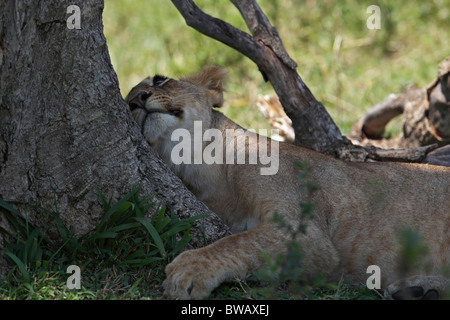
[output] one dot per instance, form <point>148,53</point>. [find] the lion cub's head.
<point>160,104</point>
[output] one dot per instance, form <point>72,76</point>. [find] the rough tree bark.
<point>426,116</point>
<point>64,127</point>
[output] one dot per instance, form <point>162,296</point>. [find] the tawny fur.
<point>360,208</point>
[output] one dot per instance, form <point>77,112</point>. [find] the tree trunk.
<point>64,127</point>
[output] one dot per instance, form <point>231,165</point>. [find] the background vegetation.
<point>347,66</point>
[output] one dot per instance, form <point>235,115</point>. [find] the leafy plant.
<point>123,238</point>
<point>25,249</point>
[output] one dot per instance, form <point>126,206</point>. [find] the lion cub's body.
<point>360,208</point>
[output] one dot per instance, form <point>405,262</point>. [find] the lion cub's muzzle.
<point>139,100</point>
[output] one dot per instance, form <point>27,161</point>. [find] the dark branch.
<point>219,30</point>
<point>313,126</point>
<point>378,116</point>
<point>401,155</point>
<point>262,30</point>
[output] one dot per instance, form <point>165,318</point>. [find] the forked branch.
<point>218,29</point>
<point>262,30</point>
<point>312,124</point>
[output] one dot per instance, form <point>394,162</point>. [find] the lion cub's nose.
<point>139,100</point>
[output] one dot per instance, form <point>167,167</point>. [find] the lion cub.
<point>360,208</point>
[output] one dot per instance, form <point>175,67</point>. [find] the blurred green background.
<point>347,66</point>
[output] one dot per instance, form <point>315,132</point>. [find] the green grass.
<point>123,257</point>
<point>148,37</point>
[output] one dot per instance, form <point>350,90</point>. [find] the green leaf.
<point>115,208</point>
<point>125,226</point>
<point>174,230</point>
<point>142,206</point>
<point>106,204</point>
<point>181,244</point>
<point>142,262</point>
<point>160,220</point>
<point>103,235</point>
<point>162,223</point>
<point>15,218</point>
<point>5,205</point>
<point>154,234</point>
<point>64,233</point>
<point>121,215</point>
<point>20,265</point>
<point>195,218</point>
<point>31,246</point>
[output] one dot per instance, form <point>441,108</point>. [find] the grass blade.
<point>106,204</point>
<point>20,265</point>
<point>181,244</point>
<point>103,235</point>
<point>126,226</point>
<point>115,208</point>
<point>195,218</point>
<point>142,262</point>
<point>154,234</point>
<point>14,217</point>
<point>175,229</point>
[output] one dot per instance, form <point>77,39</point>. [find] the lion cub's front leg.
<point>195,273</point>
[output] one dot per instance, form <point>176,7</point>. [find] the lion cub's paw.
<point>417,288</point>
<point>191,275</point>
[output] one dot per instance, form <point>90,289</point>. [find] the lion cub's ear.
<point>211,79</point>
